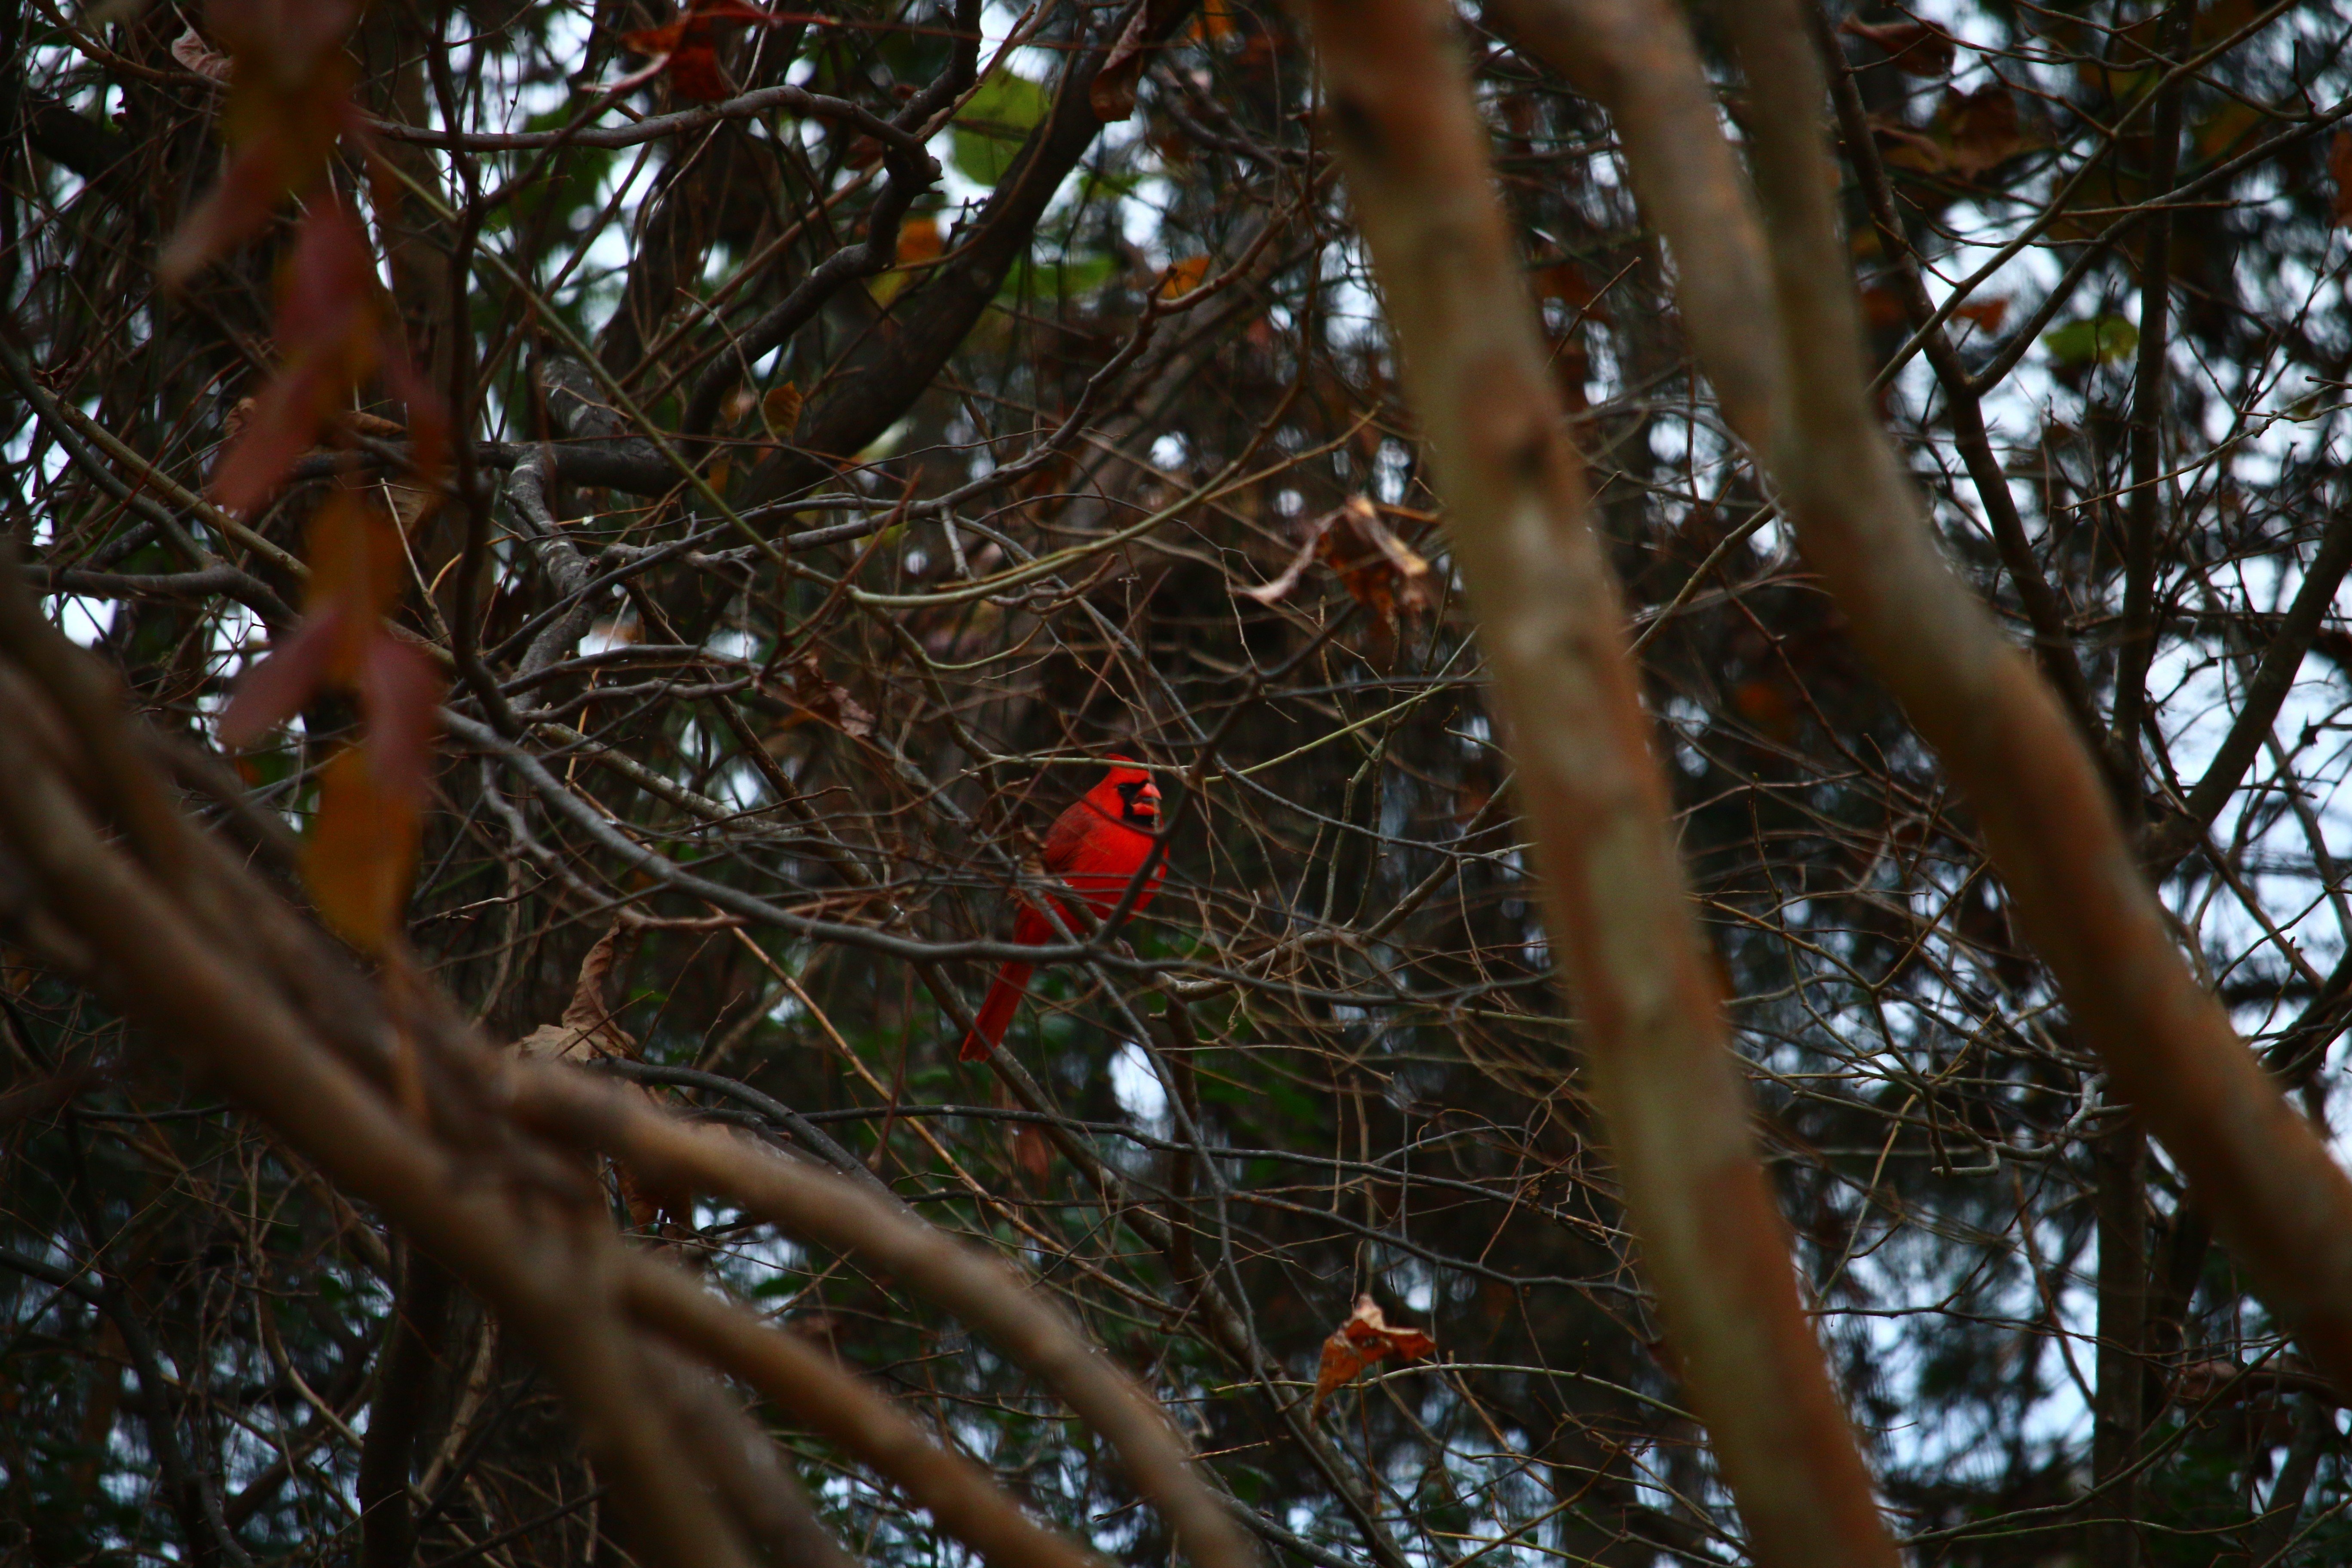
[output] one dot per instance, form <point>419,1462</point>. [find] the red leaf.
<point>357,572</point>
<point>685,48</point>
<point>289,101</point>
<point>399,695</point>
<point>329,339</point>
<point>2339,169</point>
<point>253,181</point>
<point>281,686</point>
<point>695,73</point>
<point>1986,313</point>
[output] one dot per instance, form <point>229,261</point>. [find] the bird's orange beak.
<point>1147,800</point>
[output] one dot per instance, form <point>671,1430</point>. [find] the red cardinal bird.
<point>1094,849</point>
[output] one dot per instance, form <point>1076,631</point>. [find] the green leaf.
<point>1058,279</point>
<point>995,123</point>
<point>2094,340</point>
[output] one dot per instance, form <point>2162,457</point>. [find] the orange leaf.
<point>1986,313</point>
<point>1364,1338</point>
<point>1215,23</point>
<point>660,41</point>
<point>781,409</point>
<point>361,850</point>
<point>919,241</point>
<point>1184,277</point>
<point>357,572</point>
<point>356,562</point>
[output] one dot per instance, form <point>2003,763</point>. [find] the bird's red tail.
<point>996,1012</point>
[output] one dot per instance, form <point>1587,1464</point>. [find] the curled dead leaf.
<point>191,50</point>
<point>1972,133</point>
<point>814,697</point>
<point>1984,127</point>
<point>1379,569</point>
<point>1111,95</point>
<point>587,1029</point>
<point>1364,1338</point>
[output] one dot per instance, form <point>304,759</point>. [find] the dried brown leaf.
<point>1033,1152</point>
<point>814,696</point>
<point>1981,129</point>
<point>1364,1338</point>
<point>1379,569</point>
<point>191,50</point>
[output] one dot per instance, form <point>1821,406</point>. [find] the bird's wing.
<point>1073,837</point>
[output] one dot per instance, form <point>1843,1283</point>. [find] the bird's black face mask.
<point>1139,802</point>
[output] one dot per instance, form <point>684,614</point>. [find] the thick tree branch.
<point>1670,1094</point>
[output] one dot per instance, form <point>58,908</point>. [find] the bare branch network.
<point>1721,940</point>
